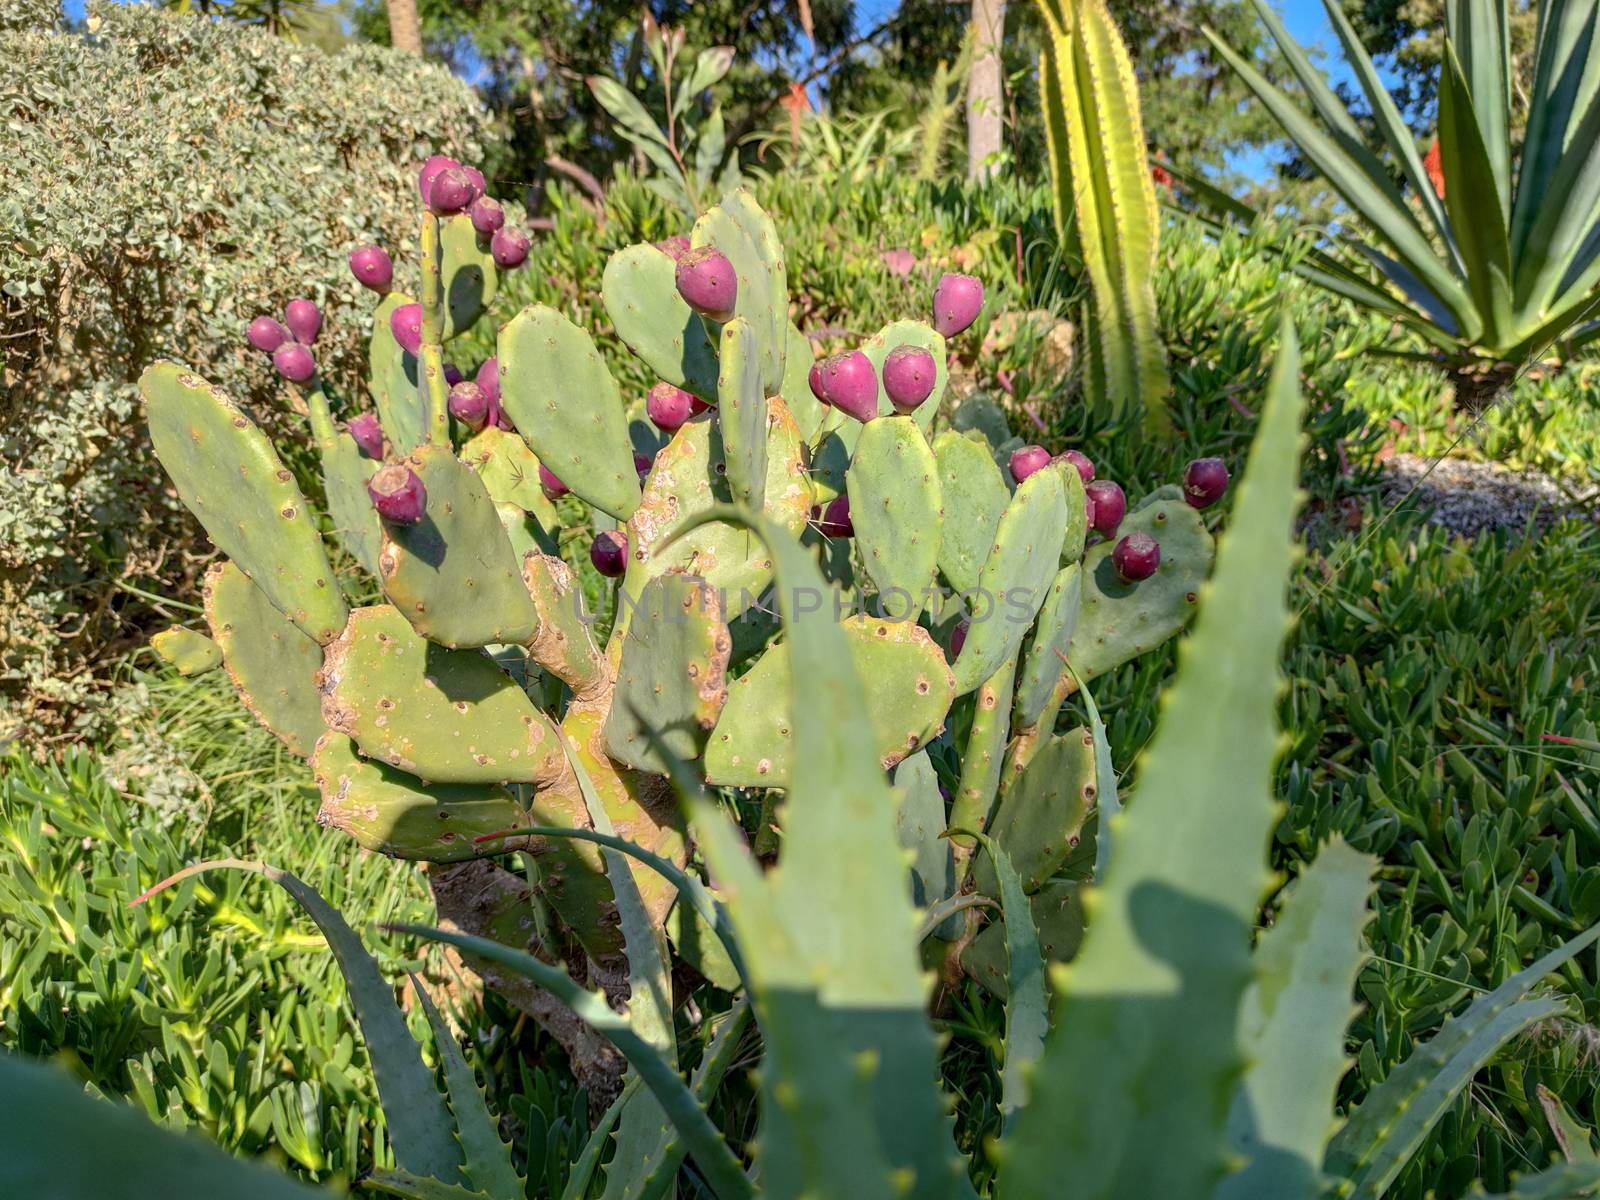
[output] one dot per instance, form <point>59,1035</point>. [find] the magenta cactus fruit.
<point>674,247</point>
<point>957,300</point>
<point>835,520</point>
<point>480,186</point>
<point>509,247</point>
<point>1136,557</point>
<point>909,373</point>
<point>1107,506</point>
<point>1080,463</point>
<point>452,374</point>
<point>1030,460</point>
<point>551,484</point>
<point>398,495</point>
<point>609,553</point>
<point>372,267</point>
<point>431,171</point>
<point>304,320</point>
<point>707,282</point>
<point>450,191</point>
<point>469,405</point>
<point>368,434</point>
<point>851,384</point>
<point>488,378</point>
<point>668,407</point>
<point>294,362</point>
<point>266,335</point>
<point>1204,481</point>
<point>487,215</point>
<point>405,323</point>
<point>814,378</point>
<point>958,639</point>
<point>642,464</point>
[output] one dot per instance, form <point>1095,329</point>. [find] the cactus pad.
<point>974,494</point>
<point>923,336</point>
<point>806,409</point>
<point>271,662</point>
<point>1016,577</point>
<point>510,471</point>
<point>392,813</point>
<point>1041,814</point>
<point>1118,620</point>
<point>564,645</point>
<point>1043,665</point>
<point>1058,916</point>
<point>229,476</point>
<point>673,675</point>
<point>446,716</point>
<point>895,508</point>
<point>345,471</point>
<point>920,823</point>
<point>187,651</point>
<point>742,414</point>
<point>742,231</point>
<point>467,272</point>
<point>394,378</point>
<point>641,296</point>
<point>453,573</point>
<point>908,692</point>
<point>556,389</point>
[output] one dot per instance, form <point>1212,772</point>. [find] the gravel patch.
<point>1469,497</point>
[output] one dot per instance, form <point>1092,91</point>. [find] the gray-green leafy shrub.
<point>166,179</point>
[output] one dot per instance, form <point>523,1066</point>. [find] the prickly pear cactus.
<point>478,697</point>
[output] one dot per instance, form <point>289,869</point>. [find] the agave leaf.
<point>1476,210</point>
<point>1483,44</point>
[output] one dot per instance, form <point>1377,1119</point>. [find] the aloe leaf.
<point>1564,1181</point>
<point>1292,1026</point>
<point>1105,780</point>
<point>582,1172</point>
<point>1149,1008</point>
<point>1380,1136</point>
<point>58,1142</point>
<point>419,1187</point>
<point>421,1129</point>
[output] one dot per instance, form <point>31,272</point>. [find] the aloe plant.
<point>1492,255</point>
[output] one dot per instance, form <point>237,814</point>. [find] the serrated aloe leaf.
<point>920,824</point>
<point>1564,1181</point>
<point>582,1172</point>
<point>1149,1008</point>
<point>58,1142</point>
<point>421,1130</point>
<point>1027,1006</point>
<point>1105,782</point>
<point>1291,1028</point>
<point>416,1187</point>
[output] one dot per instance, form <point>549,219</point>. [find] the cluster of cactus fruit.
<point>966,569</point>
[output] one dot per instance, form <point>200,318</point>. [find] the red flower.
<point>1433,164</point>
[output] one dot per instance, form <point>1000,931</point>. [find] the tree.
<point>405,30</point>
<point>985,101</point>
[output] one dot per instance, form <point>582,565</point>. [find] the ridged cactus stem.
<point>980,765</point>
<point>431,358</point>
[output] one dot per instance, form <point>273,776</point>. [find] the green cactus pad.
<point>830,458</point>
<point>803,404</point>
<point>983,757</point>
<point>389,811</point>
<point>270,661</point>
<point>672,680</point>
<point>564,645</point>
<point>688,478</point>
<point>1074,539</point>
<point>920,824</point>
<point>453,573</point>
<point>742,414</point>
<point>445,716</point>
<point>1041,814</point>
<point>974,494</point>
<point>524,533</point>
<point>187,651</point>
<point>896,510</point>
<point>981,415</point>
<point>923,336</point>
<point>228,475</point>
<point>742,231</point>
<point>1057,915</point>
<point>1120,621</point>
<point>908,692</point>
<point>640,290</point>
<point>1016,576</point>
<point>510,470</point>
<point>467,272</point>
<point>556,389</point>
<point>345,472</point>
<point>394,378</point>
<point>1044,663</point>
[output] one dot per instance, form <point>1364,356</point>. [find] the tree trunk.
<point>985,104</point>
<point>405,30</point>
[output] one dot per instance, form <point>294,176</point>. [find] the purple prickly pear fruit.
<point>668,407</point>
<point>372,267</point>
<point>502,421</point>
<point>398,495</point>
<point>697,406</point>
<point>908,377</point>
<point>707,282</point>
<point>452,374</point>
<point>836,521</point>
<point>1204,481</point>
<point>487,215</point>
<point>489,377</point>
<point>957,300</point>
<point>642,464</point>
<point>674,247</point>
<point>469,405</point>
<point>266,335</point>
<point>1136,557</point>
<point>958,639</point>
<point>851,384</point>
<point>814,378</point>
<point>1080,463</point>
<point>1030,460</point>
<point>431,170</point>
<point>405,323</point>
<point>552,486</point>
<point>368,434</point>
<point>480,185</point>
<point>509,247</point>
<point>1107,506</point>
<point>304,320</point>
<point>609,553</point>
<point>294,362</point>
<point>450,191</point>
